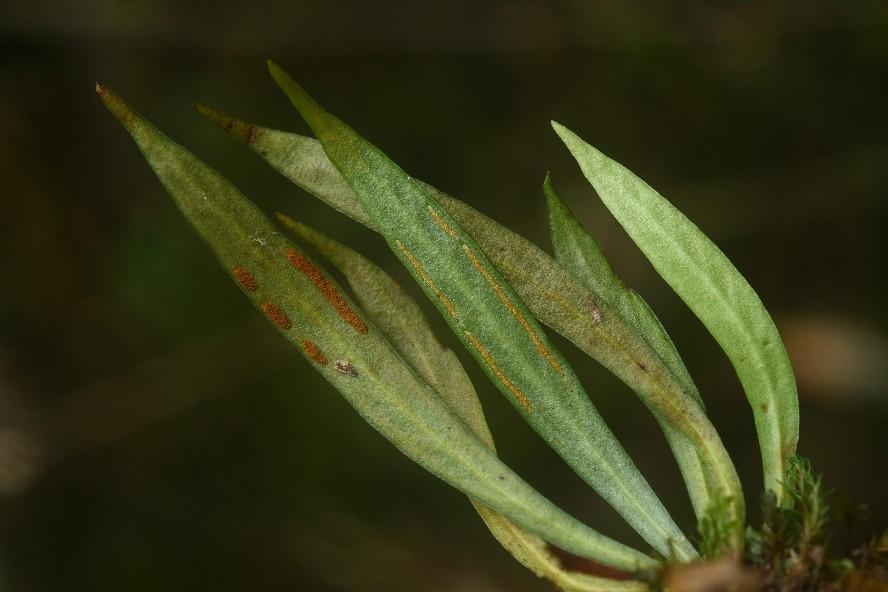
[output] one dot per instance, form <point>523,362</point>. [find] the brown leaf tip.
<point>327,290</point>
<point>346,368</point>
<point>276,315</point>
<point>314,352</point>
<point>116,105</point>
<point>241,130</point>
<point>245,278</point>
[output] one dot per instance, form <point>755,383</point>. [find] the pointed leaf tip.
<point>313,113</point>
<point>559,129</point>
<point>241,130</point>
<point>279,75</point>
<point>549,190</point>
<point>210,113</point>
<point>581,149</point>
<point>547,182</point>
<point>291,223</point>
<point>117,106</point>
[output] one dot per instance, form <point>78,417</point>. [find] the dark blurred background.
<point>156,434</point>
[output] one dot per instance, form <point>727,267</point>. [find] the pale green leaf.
<point>401,320</point>
<point>579,252</point>
<point>553,294</point>
<point>532,552</point>
<point>310,310</point>
<point>714,290</point>
<point>491,320</point>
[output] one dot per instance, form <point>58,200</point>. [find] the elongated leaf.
<point>714,290</point>
<point>553,294</point>
<point>533,554</point>
<point>703,486</point>
<point>492,322</point>
<point>550,291</point>
<point>311,311</point>
<point>403,323</point>
<point>580,253</point>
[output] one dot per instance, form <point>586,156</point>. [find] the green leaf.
<point>552,293</point>
<point>310,310</point>
<point>549,290</point>
<point>401,320</point>
<point>491,320</point>
<point>532,552</point>
<point>580,253</point>
<point>716,293</point>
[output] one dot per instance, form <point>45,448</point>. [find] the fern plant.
<point>495,290</point>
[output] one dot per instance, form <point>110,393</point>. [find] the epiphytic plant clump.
<point>495,289</point>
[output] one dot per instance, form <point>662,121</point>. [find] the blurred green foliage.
<point>153,429</point>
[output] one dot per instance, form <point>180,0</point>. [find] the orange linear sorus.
<point>327,290</point>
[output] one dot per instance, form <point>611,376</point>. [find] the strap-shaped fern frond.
<point>491,320</point>
<point>311,311</point>
<point>401,320</point>
<point>705,465</point>
<point>714,290</point>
